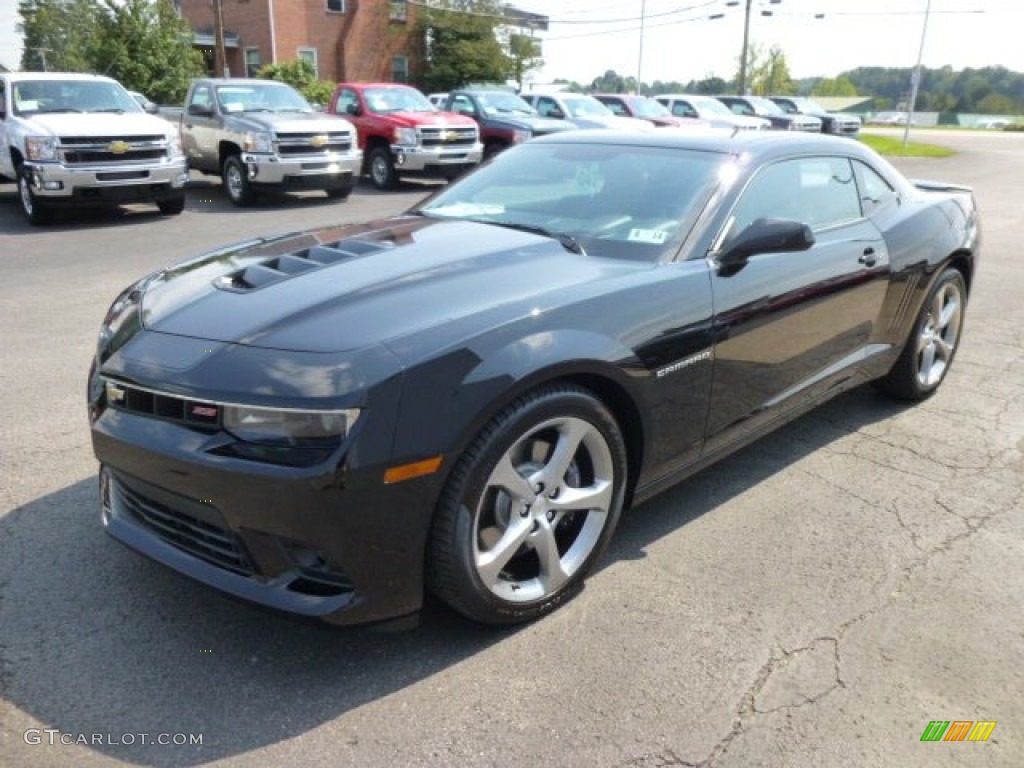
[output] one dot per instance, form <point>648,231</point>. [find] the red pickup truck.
<point>401,133</point>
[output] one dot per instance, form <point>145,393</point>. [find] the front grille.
<point>448,137</point>
<point>84,150</point>
<point>313,143</point>
<point>191,526</point>
<point>193,413</point>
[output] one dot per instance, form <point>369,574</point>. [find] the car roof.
<point>240,81</point>
<point>58,76</point>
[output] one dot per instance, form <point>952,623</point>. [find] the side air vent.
<point>280,268</point>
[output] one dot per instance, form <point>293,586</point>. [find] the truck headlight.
<point>521,136</point>
<point>406,137</point>
<point>41,149</point>
<point>258,141</point>
<point>280,426</point>
<point>174,144</point>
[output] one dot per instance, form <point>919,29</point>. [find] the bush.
<point>300,76</point>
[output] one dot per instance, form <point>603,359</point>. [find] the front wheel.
<point>529,507</point>
<point>929,352</point>
<point>382,169</point>
<point>172,206</point>
<point>34,211</point>
<point>236,182</point>
<point>340,193</point>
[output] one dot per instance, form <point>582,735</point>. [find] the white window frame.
<point>327,6</point>
<point>245,60</point>
<point>299,52</point>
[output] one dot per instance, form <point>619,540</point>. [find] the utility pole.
<point>742,84</point>
<point>640,57</point>
<point>220,59</point>
<point>915,78</point>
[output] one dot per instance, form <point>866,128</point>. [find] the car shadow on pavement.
<point>95,639</point>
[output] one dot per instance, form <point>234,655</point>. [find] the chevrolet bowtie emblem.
<point>118,147</point>
<point>319,140</point>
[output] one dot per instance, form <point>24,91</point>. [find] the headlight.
<point>257,141</point>
<point>277,426</point>
<point>121,322</point>
<point>406,136</point>
<point>520,136</point>
<point>41,149</point>
<point>174,144</point>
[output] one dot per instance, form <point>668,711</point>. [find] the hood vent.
<point>280,268</point>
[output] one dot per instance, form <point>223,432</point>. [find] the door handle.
<point>868,258</point>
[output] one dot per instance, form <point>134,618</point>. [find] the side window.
<point>616,107</point>
<point>463,104</point>
<point>201,97</point>
<point>875,193</point>
<point>739,108</point>
<point>347,98</point>
<point>682,109</point>
<point>548,107</point>
<point>818,191</point>
<point>3,100</point>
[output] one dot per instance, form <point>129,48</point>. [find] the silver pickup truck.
<point>263,134</point>
<point>74,140</point>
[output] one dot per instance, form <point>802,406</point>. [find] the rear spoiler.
<point>939,186</point>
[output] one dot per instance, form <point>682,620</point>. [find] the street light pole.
<point>640,56</point>
<point>742,84</point>
<point>220,59</point>
<point>915,78</point>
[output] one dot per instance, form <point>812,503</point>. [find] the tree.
<point>525,53</point>
<point>147,46</point>
<point>461,46</point>
<point>834,86</point>
<point>58,34</point>
<point>299,74</point>
<point>770,77</point>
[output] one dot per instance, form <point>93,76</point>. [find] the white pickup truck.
<point>73,139</point>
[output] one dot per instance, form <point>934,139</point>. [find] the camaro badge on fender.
<point>707,354</point>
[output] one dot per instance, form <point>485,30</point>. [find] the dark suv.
<point>759,106</point>
<point>839,125</point>
<point>504,118</point>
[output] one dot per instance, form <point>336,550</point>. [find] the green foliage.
<point>834,86</point>
<point>944,89</point>
<point>612,82</point>
<point>147,47</point>
<point>142,43</point>
<point>299,75</point>
<point>58,35</point>
<point>889,145</point>
<point>461,47</point>
<point>525,53</point>
<point>771,76</point>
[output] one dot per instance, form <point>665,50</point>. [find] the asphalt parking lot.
<point>815,600</point>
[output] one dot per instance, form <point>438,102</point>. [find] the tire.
<point>928,354</point>
<point>235,178</point>
<point>492,148</point>
<point>503,552</point>
<point>382,169</point>
<point>34,211</point>
<point>172,206</point>
<point>340,193</point>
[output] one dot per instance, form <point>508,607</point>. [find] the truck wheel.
<point>34,211</point>
<point>382,170</point>
<point>172,206</point>
<point>340,193</point>
<point>493,147</point>
<point>236,182</point>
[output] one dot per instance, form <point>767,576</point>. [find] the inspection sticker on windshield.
<point>655,236</point>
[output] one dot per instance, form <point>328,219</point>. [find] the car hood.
<point>289,122</point>
<point>101,124</point>
<point>535,124</point>
<point>612,121</point>
<point>441,119</point>
<point>342,288</point>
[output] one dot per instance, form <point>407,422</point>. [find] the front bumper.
<point>415,159</point>
<point>128,182</point>
<point>322,171</point>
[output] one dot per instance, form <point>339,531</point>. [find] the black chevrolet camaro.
<point>465,397</point>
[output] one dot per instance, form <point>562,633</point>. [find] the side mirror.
<point>199,111</point>
<point>353,109</point>
<point>766,236</point>
<point>557,113</point>
<point>151,107</point>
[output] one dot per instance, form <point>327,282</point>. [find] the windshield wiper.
<point>568,242</point>
<point>116,110</point>
<point>257,109</point>
<point>57,110</point>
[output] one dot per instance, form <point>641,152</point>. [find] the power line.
<point>506,17</point>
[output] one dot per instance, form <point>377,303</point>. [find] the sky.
<point>680,42</point>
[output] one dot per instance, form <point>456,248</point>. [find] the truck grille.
<point>313,143</point>
<point>92,150</point>
<point>448,137</point>
<point>189,525</point>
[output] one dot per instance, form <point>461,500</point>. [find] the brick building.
<point>342,39</point>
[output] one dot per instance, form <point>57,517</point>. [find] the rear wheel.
<point>529,507</point>
<point>382,169</point>
<point>236,182</point>
<point>929,352</point>
<point>172,206</point>
<point>34,211</point>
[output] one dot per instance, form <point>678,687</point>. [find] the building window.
<point>399,10</point>
<point>335,6</point>
<point>252,62</point>
<point>400,69</point>
<point>309,54</point>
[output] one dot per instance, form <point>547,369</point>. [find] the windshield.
<point>257,97</point>
<point>765,106</point>
<point>586,106</point>
<point>711,107</point>
<point>45,96</point>
<point>812,107</point>
<point>614,200</point>
<point>384,100</point>
<point>648,108</point>
<point>507,103</point>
